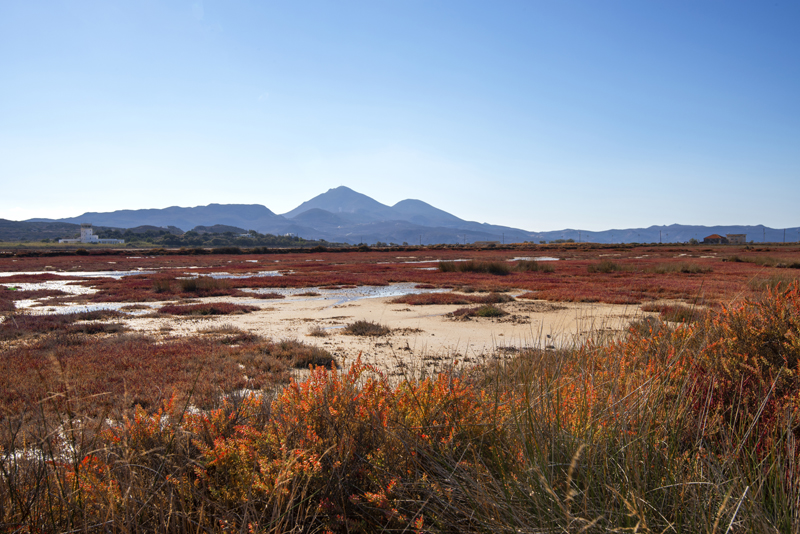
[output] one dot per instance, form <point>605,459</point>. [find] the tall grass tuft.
<point>366,328</point>
<point>472,266</point>
<point>605,266</point>
<point>532,266</point>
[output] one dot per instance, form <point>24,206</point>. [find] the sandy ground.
<point>421,335</point>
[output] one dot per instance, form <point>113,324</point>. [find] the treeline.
<point>191,238</point>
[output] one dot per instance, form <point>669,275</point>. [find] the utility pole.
<point>784,235</point>
<point>504,238</point>
<point>764,239</point>
<point>659,236</point>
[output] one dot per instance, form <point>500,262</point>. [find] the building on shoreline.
<point>87,236</point>
<point>737,239</point>
<point>729,239</point>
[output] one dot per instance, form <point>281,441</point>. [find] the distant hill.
<point>218,229</point>
<point>249,216</point>
<point>343,215</point>
<point>37,231</point>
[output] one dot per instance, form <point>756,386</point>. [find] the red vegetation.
<point>641,273</point>
<point>101,374</point>
<point>22,325</point>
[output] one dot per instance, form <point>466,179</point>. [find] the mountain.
<point>316,218</point>
<point>250,216</point>
<point>343,215</point>
<point>422,213</point>
<point>349,204</point>
<point>674,233</point>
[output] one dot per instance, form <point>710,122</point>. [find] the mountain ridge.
<point>344,215</point>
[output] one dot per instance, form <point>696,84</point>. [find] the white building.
<point>87,236</point>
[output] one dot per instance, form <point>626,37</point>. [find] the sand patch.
<point>421,335</point>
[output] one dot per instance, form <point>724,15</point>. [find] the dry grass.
<point>367,328</point>
<point>533,266</point>
<point>487,267</point>
<point>212,308</point>
<point>317,331</point>
<point>487,310</point>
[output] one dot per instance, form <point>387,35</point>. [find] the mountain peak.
<point>343,200</point>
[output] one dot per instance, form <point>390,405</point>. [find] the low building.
<point>737,239</point>
<point>715,239</point>
<point>87,236</point>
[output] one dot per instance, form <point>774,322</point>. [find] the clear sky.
<point>535,114</point>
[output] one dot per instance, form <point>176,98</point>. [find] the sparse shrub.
<point>366,328</point>
<point>317,331</point>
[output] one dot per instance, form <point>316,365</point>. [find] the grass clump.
<point>229,334</point>
<point>487,310</point>
<point>487,267</point>
<point>162,285</point>
<point>772,282</point>
<point>532,266</point>
<point>765,261</point>
<point>203,284</point>
<point>317,331</point>
<point>675,313</point>
<point>605,266</point>
<point>298,354</point>
<point>366,328</point>
<point>211,308</point>
<point>683,267</point>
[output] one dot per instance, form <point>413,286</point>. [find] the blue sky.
<point>538,114</point>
